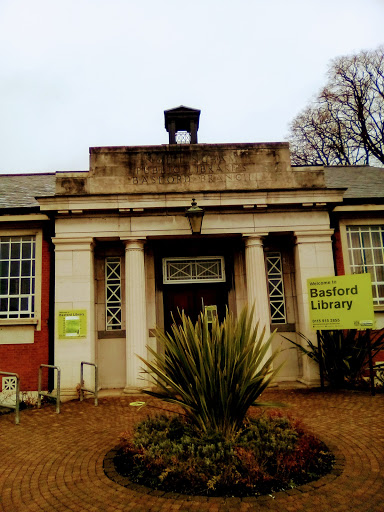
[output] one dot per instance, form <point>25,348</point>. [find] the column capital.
<point>254,239</point>
<point>133,243</point>
<point>74,244</point>
<point>313,236</point>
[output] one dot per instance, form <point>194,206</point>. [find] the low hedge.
<point>271,452</point>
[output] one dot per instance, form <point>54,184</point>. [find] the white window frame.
<point>35,318</point>
<point>350,263</point>
<point>276,291</point>
<point>113,302</point>
<point>6,280</point>
<point>191,263</point>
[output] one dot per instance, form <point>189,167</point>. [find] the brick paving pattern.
<point>54,462</point>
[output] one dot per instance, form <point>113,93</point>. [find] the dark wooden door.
<point>191,298</point>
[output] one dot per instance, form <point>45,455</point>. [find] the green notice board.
<point>341,302</point>
<point>72,324</point>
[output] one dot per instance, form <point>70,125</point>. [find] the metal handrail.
<point>82,389</point>
<point>17,402</point>
<point>46,393</point>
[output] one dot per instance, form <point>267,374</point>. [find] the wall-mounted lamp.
<point>195,216</point>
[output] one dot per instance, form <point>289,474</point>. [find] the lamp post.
<point>195,216</point>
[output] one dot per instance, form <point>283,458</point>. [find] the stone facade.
<point>131,205</point>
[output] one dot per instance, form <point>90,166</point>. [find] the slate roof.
<point>361,181</point>
<point>20,190</point>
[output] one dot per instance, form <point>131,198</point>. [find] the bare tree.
<point>345,123</point>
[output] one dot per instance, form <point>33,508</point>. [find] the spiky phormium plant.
<point>215,372</point>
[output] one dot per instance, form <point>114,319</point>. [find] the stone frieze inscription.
<point>217,171</point>
<point>193,169</point>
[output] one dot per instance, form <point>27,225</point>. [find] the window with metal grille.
<point>183,137</point>
<point>366,254</point>
<point>208,269</point>
<point>17,276</point>
<point>276,288</point>
<point>113,293</point>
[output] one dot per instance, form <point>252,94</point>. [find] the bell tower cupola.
<point>182,124</point>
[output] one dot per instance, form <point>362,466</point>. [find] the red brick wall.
<point>25,359</point>
<point>338,254</point>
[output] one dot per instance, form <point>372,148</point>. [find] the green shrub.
<point>270,453</point>
<point>344,354</point>
<point>215,372</point>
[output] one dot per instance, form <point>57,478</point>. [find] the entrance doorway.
<point>192,298</point>
<point>194,275</point>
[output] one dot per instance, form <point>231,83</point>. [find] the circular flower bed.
<point>272,452</point>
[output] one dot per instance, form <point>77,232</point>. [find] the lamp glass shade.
<point>195,216</point>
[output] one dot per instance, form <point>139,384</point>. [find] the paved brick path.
<point>54,462</point>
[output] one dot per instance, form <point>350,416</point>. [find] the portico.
<point>125,253</point>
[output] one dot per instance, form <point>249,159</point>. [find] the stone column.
<point>136,324</point>
<point>256,278</point>
<point>74,291</point>
<point>313,258</point>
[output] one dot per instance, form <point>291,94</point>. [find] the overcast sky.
<point>80,73</point>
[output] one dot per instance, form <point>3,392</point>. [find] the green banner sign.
<point>72,324</point>
<point>341,302</point>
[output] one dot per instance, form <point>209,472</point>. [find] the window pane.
<point>378,256</point>
<point>15,250</point>
<point>4,304</point>
<point>25,268</point>
<point>24,303</point>
<point>4,251</point>
<point>25,286</point>
<point>26,251</point>
<point>380,290</point>
<point>13,304</point>
<point>376,239</point>
<point>366,239</point>
<point>380,273</point>
<point>355,257</point>
<point>3,286</point>
<point>14,286</point>
<point>4,268</point>
<point>355,240</point>
<point>15,269</point>
<point>368,254</point>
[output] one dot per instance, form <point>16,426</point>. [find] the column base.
<point>311,383</point>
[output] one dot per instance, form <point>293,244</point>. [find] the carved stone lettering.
<point>157,169</point>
